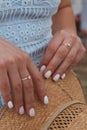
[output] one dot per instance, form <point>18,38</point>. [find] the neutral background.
<point>81,68</point>
<point>81,71</point>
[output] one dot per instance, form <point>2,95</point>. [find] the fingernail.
<point>46,100</point>
<point>56,77</point>
<point>63,76</point>
<point>10,104</point>
<point>21,110</point>
<point>32,112</point>
<point>42,68</point>
<point>48,74</point>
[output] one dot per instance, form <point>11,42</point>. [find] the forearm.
<point>64,19</point>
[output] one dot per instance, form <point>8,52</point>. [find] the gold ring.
<point>26,78</point>
<point>68,45</point>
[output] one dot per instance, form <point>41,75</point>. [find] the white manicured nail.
<point>46,100</point>
<point>56,77</point>
<point>48,74</point>
<point>42,68</point>
<point>21,110</point>
<point>32,112</point>
<point>63,76</point>
<point>10,104</point>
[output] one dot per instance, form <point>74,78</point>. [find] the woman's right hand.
<point>15,65</point>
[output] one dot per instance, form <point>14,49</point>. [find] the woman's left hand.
<point>64,51</point>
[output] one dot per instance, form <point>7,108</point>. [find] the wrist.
<point>71,31</point>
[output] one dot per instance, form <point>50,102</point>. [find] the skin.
<point>16,64</point>
<point>59,59</point>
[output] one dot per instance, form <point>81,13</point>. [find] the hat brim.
<point>62,96</point>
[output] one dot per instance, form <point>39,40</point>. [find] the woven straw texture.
<point>64,112</point>
<point>73,117</point>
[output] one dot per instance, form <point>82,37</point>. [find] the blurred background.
<point>80,12</point>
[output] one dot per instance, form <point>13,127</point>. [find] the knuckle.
<point>70,59</point>
<point>19,59</point>
<point>26,56</point>
<point>74,37</point>
<point>61,70</point>
<point>52,65</point>
<point>45,61</point>
<point>7,62</point>
<point>4,87</point>
<point>41,95</point>
<point>29,89</point>
<point>17,103</point>
<point>73,64</point>
<point>79,40</point>
<point>6,97</point>
<point>61,54</point>
<point>62,32</point>
<point>84,50</point>
<point>39,79</point>
<point>17,88</point>
<point>2,65</point>
<point>11,61</point>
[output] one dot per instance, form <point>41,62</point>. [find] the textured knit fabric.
<point>27,24</point>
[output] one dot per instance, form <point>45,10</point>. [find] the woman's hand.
<point>15,65</point>
<point>64,51</point>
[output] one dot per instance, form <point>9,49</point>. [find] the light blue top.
<point>27,25</point>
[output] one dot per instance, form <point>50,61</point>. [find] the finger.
<point>16,86</point>
<point>58,58</point>
<point>51,49</point>
<point>37,80</point>
<point>28,91</point>
<point>77,59</point>
<point>5,86</point>
<point>69,60</point>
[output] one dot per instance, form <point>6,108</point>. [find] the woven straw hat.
<point>66,109</point>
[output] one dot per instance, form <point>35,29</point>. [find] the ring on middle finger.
<point>26,78</point>
<point>67,44</point>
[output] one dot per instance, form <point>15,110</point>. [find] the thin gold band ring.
<point>68,45</point>
<point>26,78</point>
